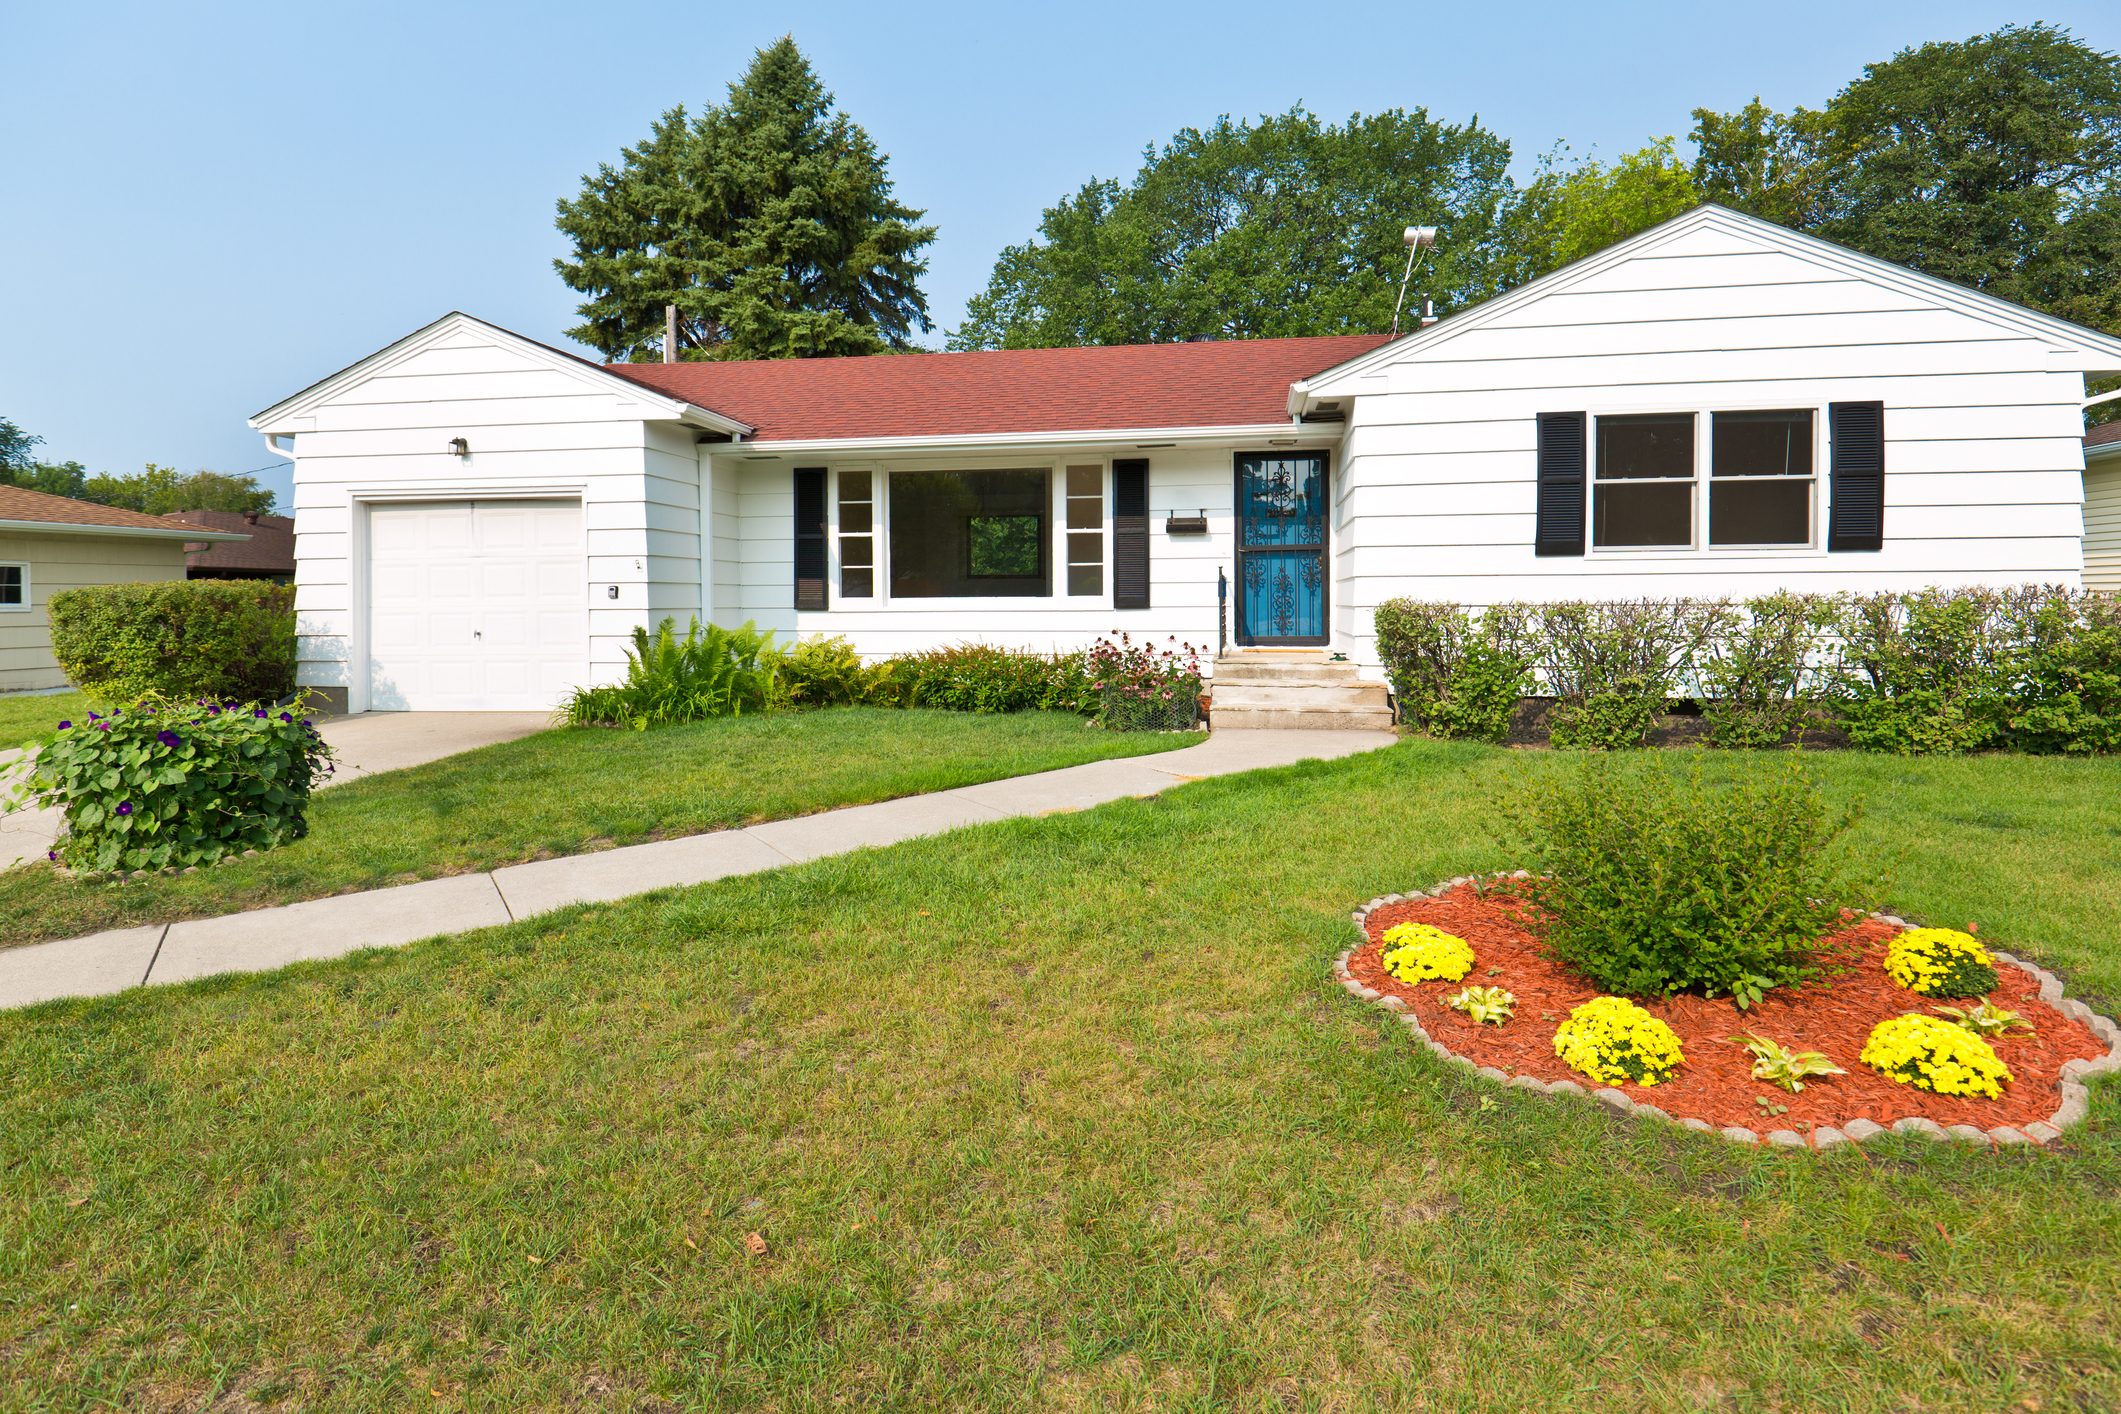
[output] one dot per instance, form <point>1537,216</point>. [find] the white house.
<point>1717,406</point>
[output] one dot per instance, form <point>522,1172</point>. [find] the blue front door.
<point>1281,547</point>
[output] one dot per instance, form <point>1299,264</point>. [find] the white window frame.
<point>1704,475</point>
<point>837,599</point>
<point>1062,559</point>
<point>27,595</point>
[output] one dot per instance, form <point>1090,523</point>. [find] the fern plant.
<point>710,672</point>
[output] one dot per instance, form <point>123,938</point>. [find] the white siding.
<point>1983,457</point>
<point>755,568</point>
<point>2102,525</point>
<point>534,429</point>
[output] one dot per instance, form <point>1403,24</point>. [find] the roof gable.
<point>285,415</point>
<point>2095,351</point>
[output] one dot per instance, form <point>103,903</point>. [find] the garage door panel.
<point>476,605</point>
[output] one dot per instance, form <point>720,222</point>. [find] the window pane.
<point>1760,513</point>
<point>1657,444</point>
<point>1086,481</point>
<point>1761,444</point>
<point>854,518</point>
<point>1085,514</point>
<point>857,550</point>
<point>1086,579</point>
<point>1643,515</point>
<point>969,533</point>
<point>1085,549</point>
<point>10,584</point>
<point>857,584</point>
<point>854,486</point>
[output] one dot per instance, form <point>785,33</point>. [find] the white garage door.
<point>476,605</point>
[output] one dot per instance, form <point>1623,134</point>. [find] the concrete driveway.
<point>365,745</point>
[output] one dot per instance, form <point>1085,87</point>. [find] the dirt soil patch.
<point>1834,1015</point>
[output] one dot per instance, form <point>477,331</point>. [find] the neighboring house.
<point>268,552</point>
<point>2102,508</point>
<point>50,543</point>
<point>1715,407</point>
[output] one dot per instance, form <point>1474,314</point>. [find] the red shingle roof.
<point>2104,433</point>
<point>21,504</point>
<point>1227,383</point>
<point>270,549</point>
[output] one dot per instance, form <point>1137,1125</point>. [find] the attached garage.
<point>476,605</point>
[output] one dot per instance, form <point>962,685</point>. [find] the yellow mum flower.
<point>1418,952</point>
<point>1611,1040</point>
<point>1931,1054</point>
<point>1940,962</point>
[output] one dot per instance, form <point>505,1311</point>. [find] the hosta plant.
<point>1940,962</point>
<point>1420,952</point>
<point>1932,1054</point>
<point>1985,1019</point>
<point>1610,1039</point>
<point>1778,1065</point>
<point>1490,1006</point>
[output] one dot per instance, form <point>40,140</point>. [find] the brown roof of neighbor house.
<point>22,506</point>
<point>270,549</point>
<point>1219,383</point>
<point>2104,433</point>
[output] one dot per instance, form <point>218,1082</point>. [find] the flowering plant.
<point>1142,687</point>
<point>1932,1054</point>
<point>1940,962</point>
<point>1611,1039</point>
<point>167,785</point>
<point>1418,952</point>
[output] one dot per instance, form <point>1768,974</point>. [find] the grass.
<point>1063,1112</point>
<point>565,791</point>
<point>25,716</point>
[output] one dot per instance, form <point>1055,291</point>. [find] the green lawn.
<point>25,716</point>
<point>565,791</point>
<point>1056,1112</point>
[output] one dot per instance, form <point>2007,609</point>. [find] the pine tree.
<point>768,221</point>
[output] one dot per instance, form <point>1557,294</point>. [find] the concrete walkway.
<point>331,927</point>
<point>364,745</point>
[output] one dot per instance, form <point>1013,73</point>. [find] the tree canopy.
<point>769,221</point>
<point>1283,226</point>
<point>154,491</point>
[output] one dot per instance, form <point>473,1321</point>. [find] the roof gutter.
<point>135,532</point>
<point>1103,437</point>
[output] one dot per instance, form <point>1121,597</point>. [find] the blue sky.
<point>210,206</point>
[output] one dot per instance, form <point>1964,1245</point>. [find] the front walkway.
<point>331,927</point>
<point>363,744</point>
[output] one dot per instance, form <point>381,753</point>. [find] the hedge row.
<point>2035,668</point>
<point>224,639</point>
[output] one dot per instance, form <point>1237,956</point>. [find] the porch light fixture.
<point>458,447</point>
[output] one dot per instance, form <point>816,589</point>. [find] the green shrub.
<point>1455,676</point>
<point>827,672</point>
<point>974,677</point>
<point>1648,882</point>
<point>1754,672</point>
<point>1613,667</point>
<point>165,786</point>
<point>229,640</point>
<point>1143,688</point>
<point>2067,696</point>
<point>1925,673</point>
<point>710,672</point>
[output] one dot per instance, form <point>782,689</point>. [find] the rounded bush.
<point>1610,1039</point>
<point>1420,952</point>
<point>1932,1054</point>
<point>1940,962</point>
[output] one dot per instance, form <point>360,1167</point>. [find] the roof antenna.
<point>1418,239</point>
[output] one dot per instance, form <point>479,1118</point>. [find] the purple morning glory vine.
<point>125,807</point>
<point>66,726</point>
<point>169,739</point>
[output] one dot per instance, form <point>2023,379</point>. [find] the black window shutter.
<point>1562,457</point>
<point>1855,476</point>
<point>1130,534</point>
<point>810,537</point>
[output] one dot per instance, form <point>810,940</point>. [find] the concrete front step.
<point>1283,670</point>
<point>1299,694</point>
<point>1226,718</point>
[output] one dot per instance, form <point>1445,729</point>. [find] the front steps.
<point>1294,688</point>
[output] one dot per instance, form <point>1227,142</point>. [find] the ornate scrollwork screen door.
<point>1281,547</point>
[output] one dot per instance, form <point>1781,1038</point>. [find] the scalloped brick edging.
<point>2076,1099</point>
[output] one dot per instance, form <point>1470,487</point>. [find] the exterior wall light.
<point>458,447</point>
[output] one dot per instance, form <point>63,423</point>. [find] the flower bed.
<point>1715,1087</point>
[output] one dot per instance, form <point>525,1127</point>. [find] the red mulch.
<point>1716,1084</point>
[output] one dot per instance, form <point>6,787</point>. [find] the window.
<point>1643,492</point>
<point>970,534</point>
<point>14,586</point>
<point>1086,530</point>
<point>857,535</point>
<point>1760,478</point>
